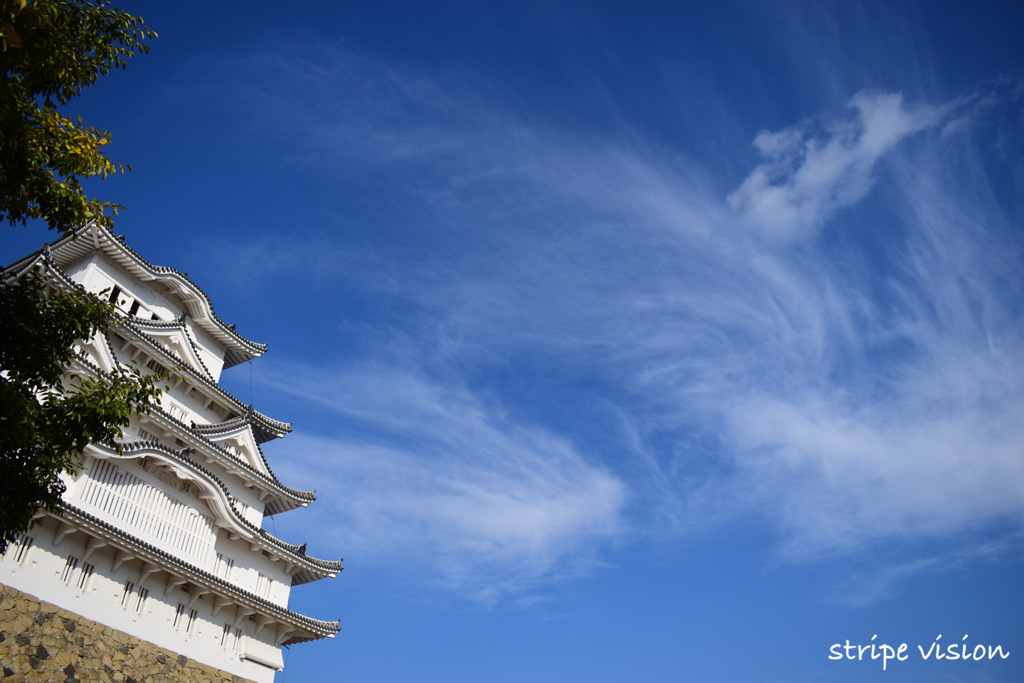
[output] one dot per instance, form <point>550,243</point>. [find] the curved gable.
<point>97,351</point>
<point>238,440</point>
<point>175,338</point>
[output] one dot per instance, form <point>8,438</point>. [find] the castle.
<point>164,540</point>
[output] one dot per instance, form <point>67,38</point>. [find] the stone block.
<point>42,642</point>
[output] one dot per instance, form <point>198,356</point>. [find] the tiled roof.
<point>264,428</point>
<point>249,415</point>
<point>268,482</point>
<point>326,565</point>
<point>296,553</point>
<point>314,628</point>
<point>77,245</point>
<point>143,324</point>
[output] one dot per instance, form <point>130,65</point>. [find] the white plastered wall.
<point>102,597</point>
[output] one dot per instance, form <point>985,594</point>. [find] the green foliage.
<point>50,50</point>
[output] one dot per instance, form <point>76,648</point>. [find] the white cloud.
<point>809,173</point>
<point>854,390</point>
<point>857,475</point>
<point>423,469</point>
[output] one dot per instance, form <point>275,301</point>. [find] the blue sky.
<point>622,341</point>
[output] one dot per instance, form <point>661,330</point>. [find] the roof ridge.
<point>254,349</point>
<point>177,323</point>
<point>182,455</point>
<point>270,425</point>
<point>297,493</point>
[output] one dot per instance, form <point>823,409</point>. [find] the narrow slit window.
<point>126,593</point>
<point>224,566</point>
<point>225,637</point>
<point>178,615</point>
<point>191,620</point>
<point>263,584</point>
<point>69,569</point>
<point>83,578</point>
<point>140,601</point>
<point>21,549</point>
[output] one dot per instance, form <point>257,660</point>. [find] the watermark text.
<point>874,649</point>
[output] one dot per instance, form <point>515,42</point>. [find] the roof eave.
<point>238,348</point>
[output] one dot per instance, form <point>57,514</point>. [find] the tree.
<point>50,50</point>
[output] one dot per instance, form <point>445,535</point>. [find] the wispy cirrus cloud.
<point>854,377</point>
<point>420,468</point>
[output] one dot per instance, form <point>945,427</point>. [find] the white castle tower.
<point>164,541</point>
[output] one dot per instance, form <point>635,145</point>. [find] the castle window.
<point>140,602</point>
<point>69,569</point>
<point>114,294</point>
<point>191,620</point>
<point>224,566</point>
<point>135,307</point>
<point>226,639</point>
<point>263,585</point>
<point>135,504</point>
<point>21,547</point>
<point>178,615</point>
<point>126,593</point>
<point>85,575</point>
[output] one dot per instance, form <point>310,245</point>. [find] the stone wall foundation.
<point>42,642</point>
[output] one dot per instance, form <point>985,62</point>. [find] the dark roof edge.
<point>246,346</point>
<point>271,479</point>
<point>273,428</point>
<point>319,628</point>
<point>293,552</point>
